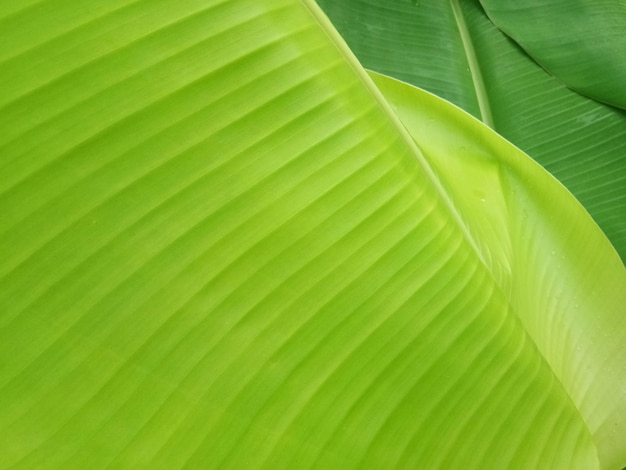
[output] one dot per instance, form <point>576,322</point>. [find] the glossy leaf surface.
<point>452,49</point>
<point>461,152</point>
<point>221,248</point>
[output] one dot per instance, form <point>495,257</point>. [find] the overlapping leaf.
<point>452,49</point>
<point>221,248</point>
<point>504,207</point>
<point>581,42</point>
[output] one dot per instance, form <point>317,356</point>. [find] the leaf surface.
<point>504,196</point>
<point>581,42</point>
<point>452,49</point>
<point>221,248</point>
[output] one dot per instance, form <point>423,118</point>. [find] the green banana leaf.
<point>452,49</point>
<point>223,247</point>
<point>464,153</point>
<point>581,42</point>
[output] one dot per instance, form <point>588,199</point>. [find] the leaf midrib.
<point>316,12</point>
<point>474,68</point>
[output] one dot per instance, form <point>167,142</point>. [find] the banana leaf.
<point>223,247</point>
<point>452,49</point>
<point>581,42</point>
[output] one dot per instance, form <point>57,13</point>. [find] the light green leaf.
<point>220,247</point>
<point>452,49</point>
<point>581,42</point>
<point>506,196</point>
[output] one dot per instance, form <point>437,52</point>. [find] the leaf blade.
<point>465,162</point>
<point>584,50</point>
<point>274,248</point>
<point>578,140</point>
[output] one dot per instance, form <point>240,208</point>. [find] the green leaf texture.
<point>581,42</point>
<point>504,195</point>
<point>221,248</point>
<point>452,49</point>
